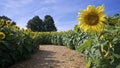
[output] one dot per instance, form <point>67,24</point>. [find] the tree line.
<point>37,24</point>
<point>46,25</point>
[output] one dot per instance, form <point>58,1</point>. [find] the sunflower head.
<point>91,19</point>
<point>102,37</point>
<point>8,22</point>
<point>2,35</point>
<point>27,30</point>
<point>1,22</point>
<point>111,46</point>
<point>105,53</point>
<point>23,29</point>
<point>16,27</point>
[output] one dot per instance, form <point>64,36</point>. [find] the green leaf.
<point>86,44</point>
<point>117,56</point>
<point>115,39</point>
<point>118,66</point>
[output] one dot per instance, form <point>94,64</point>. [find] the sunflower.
<point>28,30</point>
<point>105,53</point>
<point>8,22</point>
<point>2,35</point>
<point>91,19</point>
<point>1,22</point>
<point>110,45</point>
<point>16,27</point>
<point>23,29</point>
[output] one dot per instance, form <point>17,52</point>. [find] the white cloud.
<point>13,8</point>
<point>50,1</point>
<point>43,10</point>
<point>16,3</point>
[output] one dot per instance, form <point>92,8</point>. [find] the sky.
<point>64,12</point>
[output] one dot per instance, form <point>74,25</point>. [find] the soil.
<point>53,56</point>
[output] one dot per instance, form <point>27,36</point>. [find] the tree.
<point>35,24</point>
<point>13,23</point>
<point>49,24</point>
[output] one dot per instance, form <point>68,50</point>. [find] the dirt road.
<point>53,56</point>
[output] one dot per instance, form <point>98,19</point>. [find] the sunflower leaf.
<point>86,44</point>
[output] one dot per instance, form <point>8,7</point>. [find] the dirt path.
<point>51,56</point>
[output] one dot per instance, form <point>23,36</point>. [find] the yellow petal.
<point>102,19</point>
<point>110,45</point>
<point>100,9</point>
<point>91,8</point>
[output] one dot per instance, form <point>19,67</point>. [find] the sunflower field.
<point>15,44</point>
<point>101,49</point>
<point>96,35</point>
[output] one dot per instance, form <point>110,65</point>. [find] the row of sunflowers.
<point>96,36</point>
<point>15,44</point>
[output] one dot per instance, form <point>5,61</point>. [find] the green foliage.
<point>17,45</point>
<point>101,50</point>
<point>70,38</point>
<point>114,20</point>
<point>36,24</point>
<point>45,37</point>
<point>77,29</point>
<point>49,24</point>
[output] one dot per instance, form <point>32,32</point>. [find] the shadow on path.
<point>41,59</point>
<point>51,56</point>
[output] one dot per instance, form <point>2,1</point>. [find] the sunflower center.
<point>8,22</point>
<point>104,53</point>
<point>1,36</point>
<point>92,19</point>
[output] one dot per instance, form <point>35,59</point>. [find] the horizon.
<point>64,12</point>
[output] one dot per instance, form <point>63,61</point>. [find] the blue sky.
<point>64,12</point>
